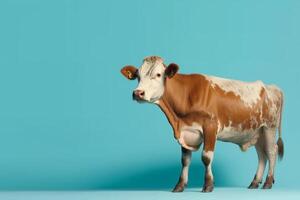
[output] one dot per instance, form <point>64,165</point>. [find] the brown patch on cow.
<point>171,116</point>
<point>129,72</point>
<point>231,109</point>
<point>209,134</point>
<point>183,94</point>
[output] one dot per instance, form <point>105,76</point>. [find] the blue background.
<point>67,120</point>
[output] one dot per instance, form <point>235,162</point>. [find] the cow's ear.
<point>129,72</point>
<point>171,70</point>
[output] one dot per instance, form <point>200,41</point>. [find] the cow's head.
<point>151,78</point>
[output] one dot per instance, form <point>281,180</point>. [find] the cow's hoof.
<point>253,185</point>
<point>208,188</point>
<point>178,188</point>
<point>268,183</point>
<point>267,186</point>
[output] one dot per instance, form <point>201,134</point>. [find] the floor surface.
<point>218,193</point>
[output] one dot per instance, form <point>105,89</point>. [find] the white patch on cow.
<point>270,148</point>
<point>156,102</point>
<point>191,137</point>
<point>150,83</point>
<point>248,92</point>
<point>261,161</point>
<point>274,96</point>
<point>273,92</point>
<point>243,138</point>
<point>185,169</point>
<point>185,174</point>
<point>260,170</point>
<point>219,126</point>
<point>210,155</point>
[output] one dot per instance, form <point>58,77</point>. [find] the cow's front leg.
<point>209,134</point>
<point>185,161</point>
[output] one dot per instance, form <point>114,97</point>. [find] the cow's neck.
<point>171,116</point>
<point>168,102</point>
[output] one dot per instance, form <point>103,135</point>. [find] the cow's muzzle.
<point>138,95</point>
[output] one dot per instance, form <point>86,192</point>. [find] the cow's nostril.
<point>138,94</point>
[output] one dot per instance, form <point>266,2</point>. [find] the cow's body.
<point>238,110</point>
<point>204,109</point>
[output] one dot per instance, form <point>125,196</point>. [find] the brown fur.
<point>280,148</point>
<point>205,160</point>
<point>129,72</point>
<point>191,98</point>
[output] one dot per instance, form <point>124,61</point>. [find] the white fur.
<point>191,136</point>
<point>248,92</point>
<point>185,174</point>
<point>271,148</point>
<point>219,126</point>
<point>273,92</point>
<point>261,161</point>
<point>150,83</point>
<point>185,168</point>
<point>244,138</point>
<point>274,95</point>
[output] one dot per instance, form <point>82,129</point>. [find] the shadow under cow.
<point>164,177</point>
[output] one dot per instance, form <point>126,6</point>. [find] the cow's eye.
<point>158,75</point>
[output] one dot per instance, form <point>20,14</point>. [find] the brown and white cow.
<point>203,109</point>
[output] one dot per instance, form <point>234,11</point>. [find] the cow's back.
<point>243,108</point>
<point>244,104</point>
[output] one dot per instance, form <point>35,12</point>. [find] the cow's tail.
<point>279,141</point>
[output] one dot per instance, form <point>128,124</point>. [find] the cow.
<point>203,109</point>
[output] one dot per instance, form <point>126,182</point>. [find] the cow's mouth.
<point>139,100</point>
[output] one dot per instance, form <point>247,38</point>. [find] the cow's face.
<point>151,78</point>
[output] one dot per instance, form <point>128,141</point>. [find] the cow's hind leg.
<point>185,161</point>
<point>271,152</point>
<point>262,159</point>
